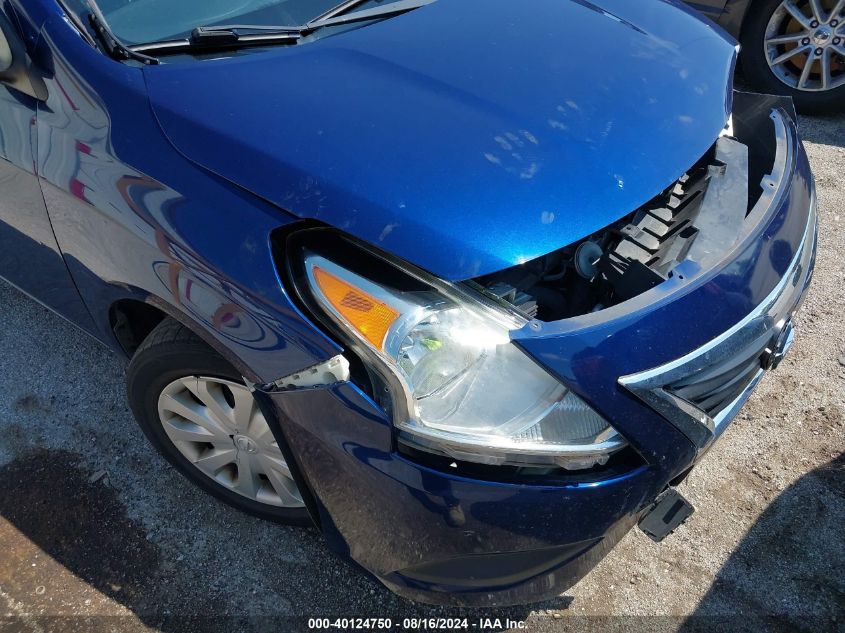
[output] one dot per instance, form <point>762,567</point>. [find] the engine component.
<point>587,257</point>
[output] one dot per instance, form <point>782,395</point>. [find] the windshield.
<point>142,21</point>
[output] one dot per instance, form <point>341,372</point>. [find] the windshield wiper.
<point>114,47</point>
<point>231,36</point>
<point>341,15</point>
<point>212,38</point>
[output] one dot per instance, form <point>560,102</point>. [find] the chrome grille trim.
<point>766,322</point>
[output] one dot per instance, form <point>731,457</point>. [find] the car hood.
<point>466,136</point>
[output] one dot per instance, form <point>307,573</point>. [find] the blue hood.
<point>468,135</point>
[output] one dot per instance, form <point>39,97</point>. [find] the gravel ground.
<point>94,525</point>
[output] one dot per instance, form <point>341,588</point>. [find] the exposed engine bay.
<point>698,218</point>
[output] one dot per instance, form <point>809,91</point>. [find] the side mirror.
<point>16,69</point>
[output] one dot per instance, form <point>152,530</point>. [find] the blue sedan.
<point>469,285</point>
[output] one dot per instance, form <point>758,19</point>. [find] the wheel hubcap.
<point>822,35</point>
<point>217,426</point>
<point>243,443</point>
<point>805,44</point>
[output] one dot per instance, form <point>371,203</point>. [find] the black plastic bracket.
<point>666,514</point>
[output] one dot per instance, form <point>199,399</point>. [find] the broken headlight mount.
<point>454,382</point>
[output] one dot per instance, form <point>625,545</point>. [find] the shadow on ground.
<point>805,523</point>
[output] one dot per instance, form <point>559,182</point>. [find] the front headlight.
<point>465,389</point>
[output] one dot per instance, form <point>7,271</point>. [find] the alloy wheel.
<point>805,44</point>
<point>218,427</point>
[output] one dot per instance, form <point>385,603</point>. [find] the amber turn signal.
<point>369,316</point>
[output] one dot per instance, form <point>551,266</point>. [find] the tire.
<point>755,67</point>
<point>172,353</point>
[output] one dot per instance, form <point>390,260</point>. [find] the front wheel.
<point>195,409</point>
<point>797,48</point>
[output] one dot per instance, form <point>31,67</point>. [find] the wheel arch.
<point>131,319</point>
<point>735,16</point>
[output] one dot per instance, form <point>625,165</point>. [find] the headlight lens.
<point>468,391</point>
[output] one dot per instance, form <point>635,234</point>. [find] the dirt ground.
<point>97,532</point>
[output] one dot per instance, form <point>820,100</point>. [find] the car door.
<point>29,255</point>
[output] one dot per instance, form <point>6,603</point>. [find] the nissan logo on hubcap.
<point>245,444</point>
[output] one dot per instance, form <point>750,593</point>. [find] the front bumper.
<point>437,534</point>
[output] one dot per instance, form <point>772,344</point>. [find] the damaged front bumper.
<point>703,391</point>
<point>440,531</point>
